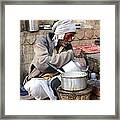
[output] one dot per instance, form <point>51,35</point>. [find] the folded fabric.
<point>39,89</point>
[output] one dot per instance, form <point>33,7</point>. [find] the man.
<point>53,49</point>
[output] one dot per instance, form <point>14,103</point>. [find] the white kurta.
<point>39,89</point>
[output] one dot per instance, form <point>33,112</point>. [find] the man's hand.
<point>79,53</point>
<point>82,62</point>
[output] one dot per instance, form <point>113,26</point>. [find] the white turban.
<point>61,27</point>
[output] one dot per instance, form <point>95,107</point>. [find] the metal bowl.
<point>74,81</point>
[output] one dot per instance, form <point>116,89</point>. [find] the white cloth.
<point>61,27</point>
<point>39,89</point>
<point>72,66</point>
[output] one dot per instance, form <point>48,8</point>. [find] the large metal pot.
<point>74,81</point>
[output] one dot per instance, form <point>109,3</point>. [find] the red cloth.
<point>87,48</point>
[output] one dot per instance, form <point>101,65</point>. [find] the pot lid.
<point>74,74</point>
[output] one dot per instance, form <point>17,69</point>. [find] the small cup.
<point>93,76</point>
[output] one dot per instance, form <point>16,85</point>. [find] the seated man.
<point>53,49</point>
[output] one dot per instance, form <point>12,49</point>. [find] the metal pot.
<point>74,81</point>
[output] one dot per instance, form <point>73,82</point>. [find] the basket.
<point>74,95</point>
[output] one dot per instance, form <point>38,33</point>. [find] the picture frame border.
<point>67,2</point>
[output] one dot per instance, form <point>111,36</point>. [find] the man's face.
<point>68,38</point>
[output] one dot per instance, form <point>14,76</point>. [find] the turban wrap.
<point>61,27</point>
